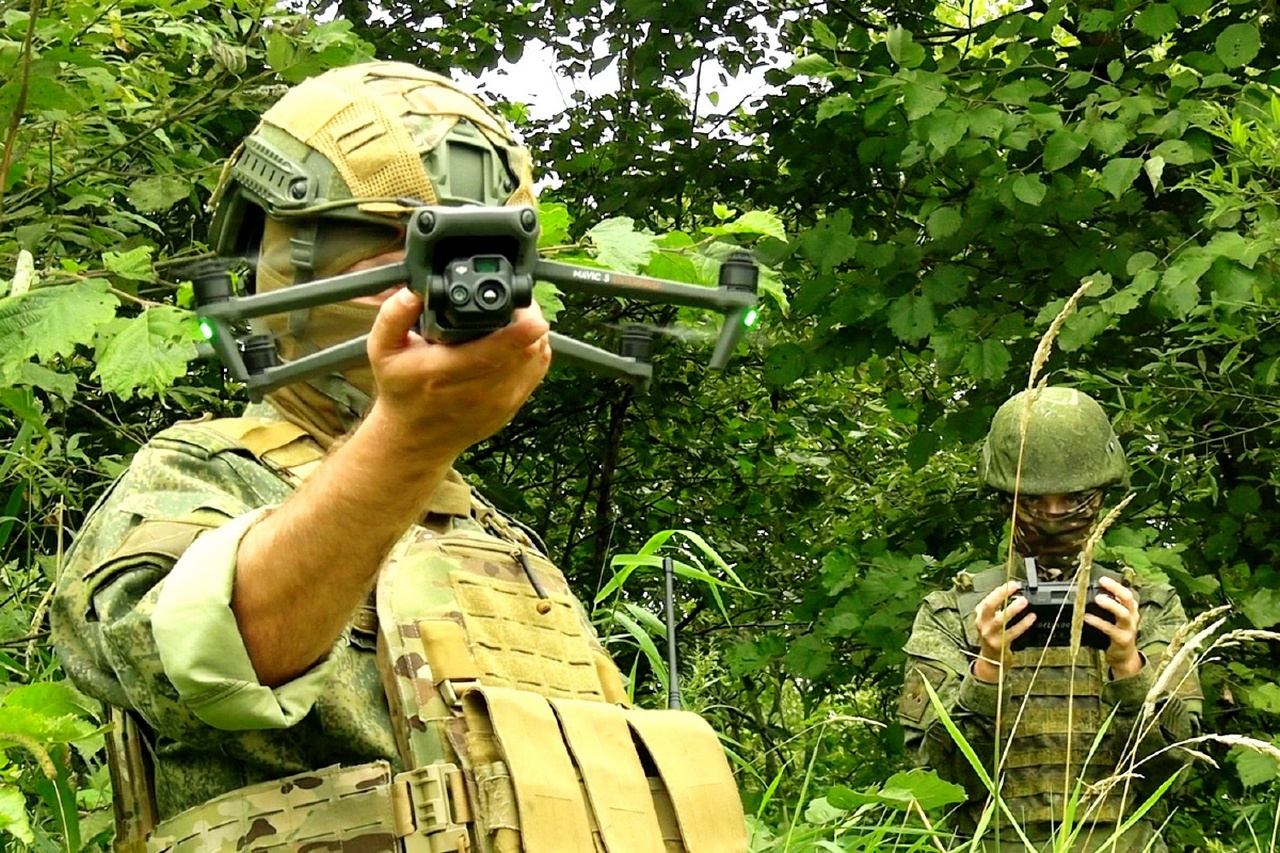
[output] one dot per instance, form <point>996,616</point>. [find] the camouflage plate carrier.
<point>1049,731</point>
<point>512,721</point>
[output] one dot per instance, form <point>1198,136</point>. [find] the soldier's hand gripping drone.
<point>473,267</point>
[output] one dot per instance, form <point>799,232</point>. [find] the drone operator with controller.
<point>312,633</point>
<point>995,648</point>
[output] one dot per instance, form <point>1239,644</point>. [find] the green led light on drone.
<point>206,330</point>
<point>749,319</point>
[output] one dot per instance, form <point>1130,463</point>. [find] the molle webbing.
<point>362,808</point>
<point>350,805</point>
<point>522,641</point>
<point>1052,713</point>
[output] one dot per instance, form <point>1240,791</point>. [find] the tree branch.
<point>15,119</point>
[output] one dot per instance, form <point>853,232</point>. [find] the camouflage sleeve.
<point>938,652</point>
<point>1175,714</point>
<point>200,647</point>
<point>137,606</point>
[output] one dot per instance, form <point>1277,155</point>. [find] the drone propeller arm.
<point>567,350</point>
<point>575,279</point>
<point>352,353</point>
<point>334,359</point>
<point>310,294</point>
<point>735,326</point>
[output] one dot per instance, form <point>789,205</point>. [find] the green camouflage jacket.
<point>944,642</point>
<point>142,621</point>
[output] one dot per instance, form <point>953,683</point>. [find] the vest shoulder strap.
<point>284,447</point>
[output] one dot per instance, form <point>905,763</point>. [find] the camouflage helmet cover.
<point>1070,445</point>
<point>367,142</point>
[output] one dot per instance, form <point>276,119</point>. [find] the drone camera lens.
<point>491,294</point>
<point>459,295</point>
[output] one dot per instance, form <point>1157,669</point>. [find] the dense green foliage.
<point>927,189</point>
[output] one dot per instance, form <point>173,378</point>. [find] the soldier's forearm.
<point>304,568</point>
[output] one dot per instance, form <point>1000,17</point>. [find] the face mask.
<point>1054,538</point>
<point>337,247</point>
<point>326,407</point>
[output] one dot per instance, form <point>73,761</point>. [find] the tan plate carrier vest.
<point>514,725</point>
<point>1053,713</point>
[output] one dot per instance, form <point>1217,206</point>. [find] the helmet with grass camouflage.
<point>1069,447</point>
<point>366,143</point>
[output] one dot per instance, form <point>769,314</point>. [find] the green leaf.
<point>1126,299</point>
<point>1243,500</point>
<point>920,99</point>
<point>46,93</point>
<point>822,33</point>
<point>808,657</point>
<point>39,376</point>
<point>1262,608</point>
<point>148,353</point>
<point>784,365</point>
<point>944,129</point>
<point>1096,20</point>
<point>757,222</point>
<point>1154,167</point>
<point>1175,152</point>
<point>903,48</point>
<point>642,639</point>
<point>811,65</point>
<point>925,788</point>
<point>943,222</point>
<point>1254,767</point>
<point>945,285</point>
<point>921,448</point>
<point>554,220</point>
<point>1179,286</point>
<point>1082,327</point>
<point>547,296</point>
<point>13,814</point>
<point>1264,697</point>
<point>814,296</point>
<point>911,317</point>
<point>158,193</point>
<point>1237,45</point>
<point>44,728</point>
<point>837,105</point>
<point>1108,137</point>
<point>1157,20</point>
<point>672,267</point>
<point>134,264</point>
<point>1119,174</point>
<point>986,360</point>
<point>620,246</point>
<point>281,52</point>
<point>54,698</point>
<point>51,321</point>
<point>829,243</point>
<point>1140,261</point>
<point>1021,92</point>
<point>1062,148</point>
<point>1029,189</point>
